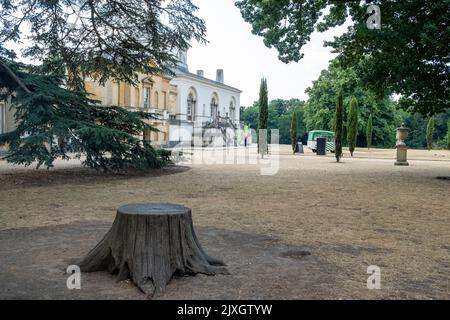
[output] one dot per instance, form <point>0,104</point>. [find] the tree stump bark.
<point>150,243</point>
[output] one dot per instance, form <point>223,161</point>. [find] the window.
<point>146,98</point>
<point>190,112</point>
<point>191,109</point>
<point>214,107</point>
<point>232,110</point>
<point>156,100</point>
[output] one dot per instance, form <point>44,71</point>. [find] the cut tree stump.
<point>150,243</point>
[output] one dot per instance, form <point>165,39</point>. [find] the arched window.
<point>232,109</point>
<point>147,84</point>
<point>191,105</point>
<point>147,97</point>
<point>214,106</point>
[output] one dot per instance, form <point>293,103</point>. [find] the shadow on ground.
<point>76,175</point>
<point>34,263</point>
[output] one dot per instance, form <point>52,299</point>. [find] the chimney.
<point>219,75</point>
<point>200,73</point>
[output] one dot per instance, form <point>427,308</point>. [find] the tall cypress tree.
<point>294,134</point>
<point>339,126</point>
<point>263,120</point>
<point>352,125</point>
<point>369,130</point>
<point>430,130</point>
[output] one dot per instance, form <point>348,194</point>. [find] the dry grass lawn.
<point>363,211</point>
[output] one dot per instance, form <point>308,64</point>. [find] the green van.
<point>314,134</point>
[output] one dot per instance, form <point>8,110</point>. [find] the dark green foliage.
<point>417,138</point>
<point>294,135</point>
<point>249,116</point>
<point>268,19</point>
<point>333,122</point>
<point>441,129</point>
<point>319,111</point>
<point>263,118</point>
<point>339,126</point>
<point>409,55</point>
<point>430,130</point>
<point>165,155</point>
<point>418,129</point>
<point>54,122</point>
<point>103,40</point>
<point>280,117</point>
<point>352,125</point>
<point>111,39</point>
<point>369,129</point>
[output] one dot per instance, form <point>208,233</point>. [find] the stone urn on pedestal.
<point>402,134</point>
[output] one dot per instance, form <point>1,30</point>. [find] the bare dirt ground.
<point>345,216</point>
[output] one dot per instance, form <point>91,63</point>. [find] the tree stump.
<point>150,243</point>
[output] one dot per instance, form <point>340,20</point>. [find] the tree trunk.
<point>149,243</point>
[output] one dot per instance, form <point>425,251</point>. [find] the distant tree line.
<point>408,57</point>
<point>376,117</point>
<point>280,117</point>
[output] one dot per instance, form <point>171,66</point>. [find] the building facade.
<point>203,104</point>
<point>153,94</point>
<point>187,105</point>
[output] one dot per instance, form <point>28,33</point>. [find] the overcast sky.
<point>245,58</point>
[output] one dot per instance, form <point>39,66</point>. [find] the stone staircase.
<point>222,124</point>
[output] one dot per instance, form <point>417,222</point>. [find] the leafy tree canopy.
<point>280,117</point>
<point>409,55</point>
<point>321,105</point>
<point>102,39</point>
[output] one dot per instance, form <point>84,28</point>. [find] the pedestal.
<point>402,156</point>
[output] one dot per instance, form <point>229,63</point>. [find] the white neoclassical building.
<point>203,103</point>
